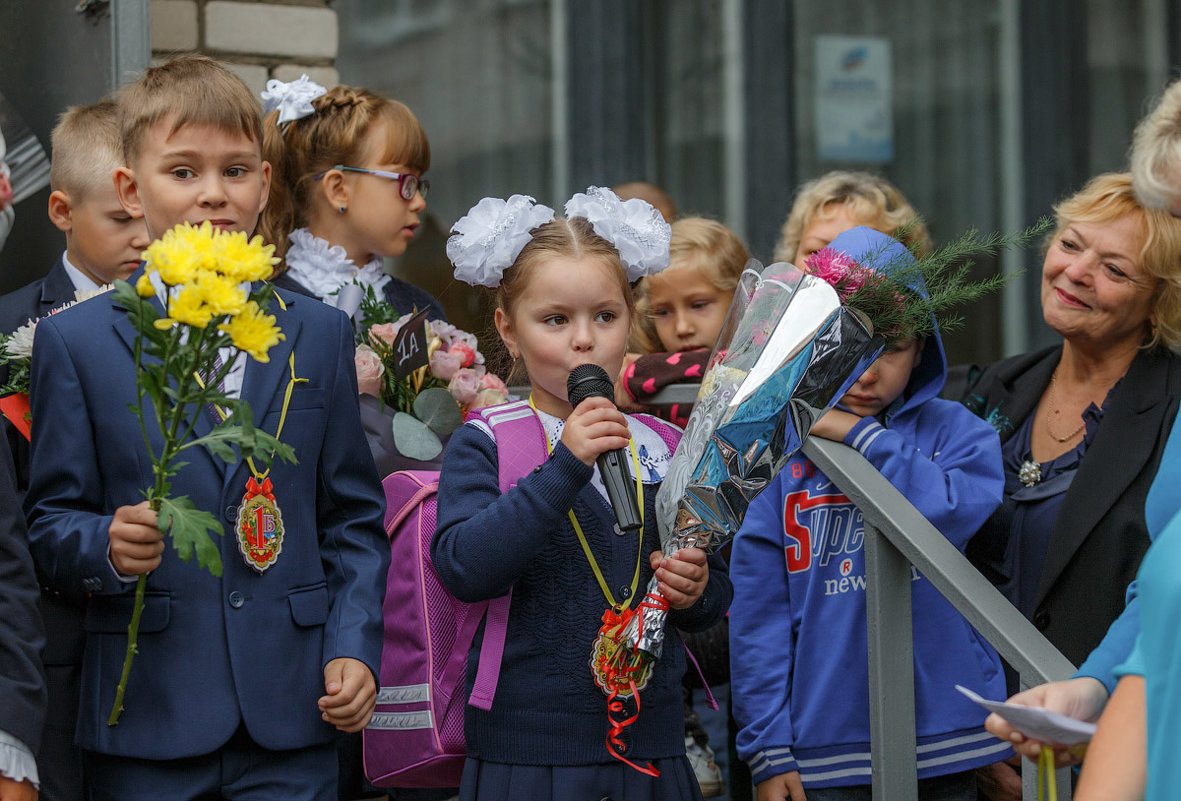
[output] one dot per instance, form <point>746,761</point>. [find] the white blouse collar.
<point>323,268</point>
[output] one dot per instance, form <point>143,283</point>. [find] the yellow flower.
<point>143,287</point>
<point>244,261</point>
<point>186,307</point>
<point>222,295</point>
<point>175,255</point>
<point>253,331</point>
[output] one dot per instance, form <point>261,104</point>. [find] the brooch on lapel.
<point>1030,472</point>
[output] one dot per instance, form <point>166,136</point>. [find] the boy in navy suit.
<point>240,680</point>
<point>103,242</point>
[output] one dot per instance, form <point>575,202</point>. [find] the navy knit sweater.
<point>548,710</point>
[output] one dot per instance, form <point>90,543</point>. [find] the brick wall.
<point>258,39</point>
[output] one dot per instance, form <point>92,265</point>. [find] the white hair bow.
<point>293,98</point>
<point>489,238</point>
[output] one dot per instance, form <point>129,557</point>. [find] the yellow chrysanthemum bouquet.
<point>202,279</point>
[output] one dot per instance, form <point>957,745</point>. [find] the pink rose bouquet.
<point>420,409</point>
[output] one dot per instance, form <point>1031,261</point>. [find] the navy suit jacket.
<point>213,652</point>
<point>36,299</point>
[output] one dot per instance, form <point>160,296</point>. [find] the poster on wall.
<point>854,93</point>
<point>28,165</point>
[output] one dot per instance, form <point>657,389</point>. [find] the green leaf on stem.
<point>190,528</point>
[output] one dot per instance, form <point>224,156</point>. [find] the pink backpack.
<point>415,738</point>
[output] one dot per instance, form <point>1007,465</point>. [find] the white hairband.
<point>293,98</point>
<point>488,239</point>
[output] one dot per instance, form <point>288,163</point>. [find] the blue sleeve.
<point>1134,666</point>
<point>68,532</point>
<point>1117,644</point>
<point>956,480</point>
<point>350,510</point>
<point>485,540</point>
<point>762,644</point>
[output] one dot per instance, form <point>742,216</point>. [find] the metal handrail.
<point>896,537</point>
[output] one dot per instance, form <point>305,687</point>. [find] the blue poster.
<point>854,92</point>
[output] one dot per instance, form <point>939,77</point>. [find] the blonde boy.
<point>103,241</point>
<point>239,680</point>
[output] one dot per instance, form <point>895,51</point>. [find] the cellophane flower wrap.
<point>791,346</point>
<point>415,413</point>
<point>788,350</point>
<point>207,307</point>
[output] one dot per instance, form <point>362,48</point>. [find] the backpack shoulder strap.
<point>520,447</point>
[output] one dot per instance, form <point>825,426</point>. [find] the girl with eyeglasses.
<point>346,192</point>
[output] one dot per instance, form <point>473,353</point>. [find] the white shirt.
<point>80,280</point>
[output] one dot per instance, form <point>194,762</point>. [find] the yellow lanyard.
<point>291,382</point>
<point>590,557</point>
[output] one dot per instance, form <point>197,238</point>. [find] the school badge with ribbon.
<point>260,525</point>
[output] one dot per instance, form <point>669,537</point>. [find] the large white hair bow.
<point>489,238</point>
<point>634,227</point>
<point>293,99</point>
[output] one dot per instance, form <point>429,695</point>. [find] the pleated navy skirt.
<point>493,781</point>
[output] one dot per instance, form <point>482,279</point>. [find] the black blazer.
<point>63,616</point>
<point>22,684</point>
<point>1100,535</point>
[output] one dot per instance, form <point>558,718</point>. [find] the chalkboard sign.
<point>410,346</point>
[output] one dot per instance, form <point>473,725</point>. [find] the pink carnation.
<point>838,269</point>
<point>465,352</point>
<point>369,371</point>
<point>444,364</point>
<point>464,386</point>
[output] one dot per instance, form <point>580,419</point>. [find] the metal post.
<point>559,91</point>
<point>131,48</point>
<point>891,668</point>
<point>734,115</point>
<point>1014,296</point>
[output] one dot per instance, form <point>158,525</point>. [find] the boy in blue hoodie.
<point>799,668</point>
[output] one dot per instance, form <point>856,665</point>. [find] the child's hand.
<point>595,427</point>
<point>136,545</point>
<point>350,696</point>
<point>622,399</point>
<point>784,787</point>
<point>682,576</point>
<point>835,425</point>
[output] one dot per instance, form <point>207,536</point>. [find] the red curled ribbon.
<point>617,673</point>
<point>254,488</point>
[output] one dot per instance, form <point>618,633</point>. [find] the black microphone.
<point>590,380</point>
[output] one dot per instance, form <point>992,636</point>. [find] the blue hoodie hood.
<point>886,255</point>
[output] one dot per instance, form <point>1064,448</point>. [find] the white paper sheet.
<point>1037,723</point>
